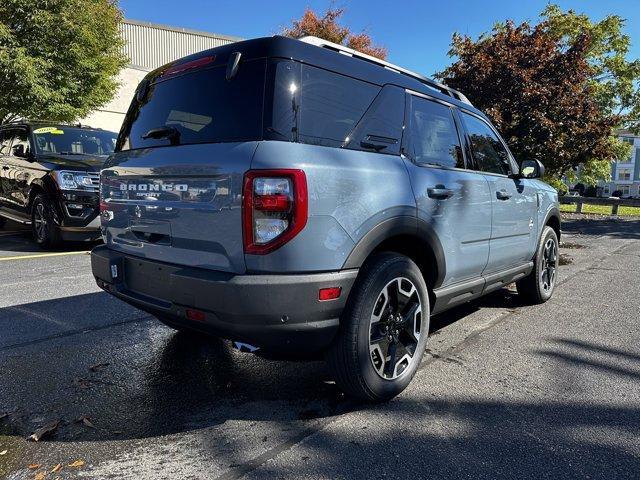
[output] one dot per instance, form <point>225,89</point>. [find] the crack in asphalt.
<point>241,470</point>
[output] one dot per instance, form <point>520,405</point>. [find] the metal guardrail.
<point>613,202</point>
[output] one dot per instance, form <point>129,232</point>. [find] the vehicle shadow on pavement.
<point>612,227</point>
<point>135,378</point>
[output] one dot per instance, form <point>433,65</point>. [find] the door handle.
<point>439,192</point>
<point>503,195</point>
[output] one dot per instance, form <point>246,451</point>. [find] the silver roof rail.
<point>319,42</point>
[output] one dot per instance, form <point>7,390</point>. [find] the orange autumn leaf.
<point>77,464</point>
<point>57,468</point>
<point>33,466</point>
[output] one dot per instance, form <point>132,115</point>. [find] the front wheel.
<point>383,331</point>
<point>539,285</point>
<point>43,225</point>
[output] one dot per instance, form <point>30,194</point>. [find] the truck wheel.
<point>45,232</point>
<point>538,286</point>
<point>3,221</point>
<point>383,330</point>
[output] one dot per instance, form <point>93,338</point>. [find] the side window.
<point>380,129</point>
<point>487,149</point>
<point>5,141</point>
<point>433,137</point>
<point>331,106</point>
<point>20,138</point>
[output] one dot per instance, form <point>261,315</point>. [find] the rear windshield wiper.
<point>163,132</point>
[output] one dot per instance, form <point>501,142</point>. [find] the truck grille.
<point>95,182</point>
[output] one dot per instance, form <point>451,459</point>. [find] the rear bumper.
<point>280,313</point>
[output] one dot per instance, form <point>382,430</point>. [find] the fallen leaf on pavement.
<point>33,466</point>
<point>86,420</point>
<point>4,452</point>
<point>44,431</point>
<point>98,366</point>
<point>82,382</point>
<point>76,464</point>
<point>40,476</point>
<point>57,468</point>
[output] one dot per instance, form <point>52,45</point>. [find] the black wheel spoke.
<point>395,327</point>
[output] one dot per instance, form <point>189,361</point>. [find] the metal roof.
<point>150,45</point>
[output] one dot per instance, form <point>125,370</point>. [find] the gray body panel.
<point>462,222</point>
<point>350,192</point>
<point>180,204</point>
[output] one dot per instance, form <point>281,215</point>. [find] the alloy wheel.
<point>395,328</point>
<point>40,221</point>
<point>549,265</point>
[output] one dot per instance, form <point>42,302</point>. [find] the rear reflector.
<point>332,293</point>
<point>195,315</point>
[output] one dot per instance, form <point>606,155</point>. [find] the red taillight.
<point>275,208</point>
<point>330,293</point>
<point>195,315</point>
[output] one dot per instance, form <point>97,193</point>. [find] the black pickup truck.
<point>49,176</point>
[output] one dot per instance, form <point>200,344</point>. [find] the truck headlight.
<point>69,180</point>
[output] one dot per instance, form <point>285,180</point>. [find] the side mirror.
<point>531,169</point>
<point>19,151</point>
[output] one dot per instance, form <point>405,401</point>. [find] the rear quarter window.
<point>331,106</point>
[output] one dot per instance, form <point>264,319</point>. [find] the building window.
<point>630,141</point>
<point>624,174</point>
<point>625,190</point>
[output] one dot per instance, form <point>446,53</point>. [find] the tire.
<point>3,222</point>
<point>360,359</point>
<point>538,286</point>
<point>45,231</point>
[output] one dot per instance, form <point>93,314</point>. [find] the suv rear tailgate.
<point>179,204</point>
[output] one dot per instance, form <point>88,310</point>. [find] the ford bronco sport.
<point>298,196</point>
<point>49,177</point>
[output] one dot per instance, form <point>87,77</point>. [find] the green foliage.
<point>615,78</point>
<point>557,90</point>
<point>59,59</point>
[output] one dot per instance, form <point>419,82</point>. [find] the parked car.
<point>49,177</point>
<point>320,200</point>
<point>573,193</point>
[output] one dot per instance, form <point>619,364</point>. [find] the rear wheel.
<point>43,225</point>
<point>539,285</point>
<point>383,330</point>
<point>3,221</point>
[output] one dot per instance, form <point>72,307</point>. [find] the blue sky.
<point>416,33</point>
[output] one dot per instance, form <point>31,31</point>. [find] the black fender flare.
<point>393,227</point>
<point>554,212</point>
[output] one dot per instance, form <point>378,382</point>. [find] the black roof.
<point>288,48</point>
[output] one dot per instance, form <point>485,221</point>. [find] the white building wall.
<point>149,46</point>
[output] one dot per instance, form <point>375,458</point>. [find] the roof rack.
<point>319,42</point>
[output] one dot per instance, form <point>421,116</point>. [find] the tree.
<point>557,90</point>
<point>59,59</point>
<point>328,28</point>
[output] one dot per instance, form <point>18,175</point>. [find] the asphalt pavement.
<point>504,391</point>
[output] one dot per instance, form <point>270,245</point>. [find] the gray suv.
<point>300,197</point>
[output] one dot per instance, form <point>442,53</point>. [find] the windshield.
<point>67,140</point>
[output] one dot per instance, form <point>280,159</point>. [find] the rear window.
<point>202,106</point>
